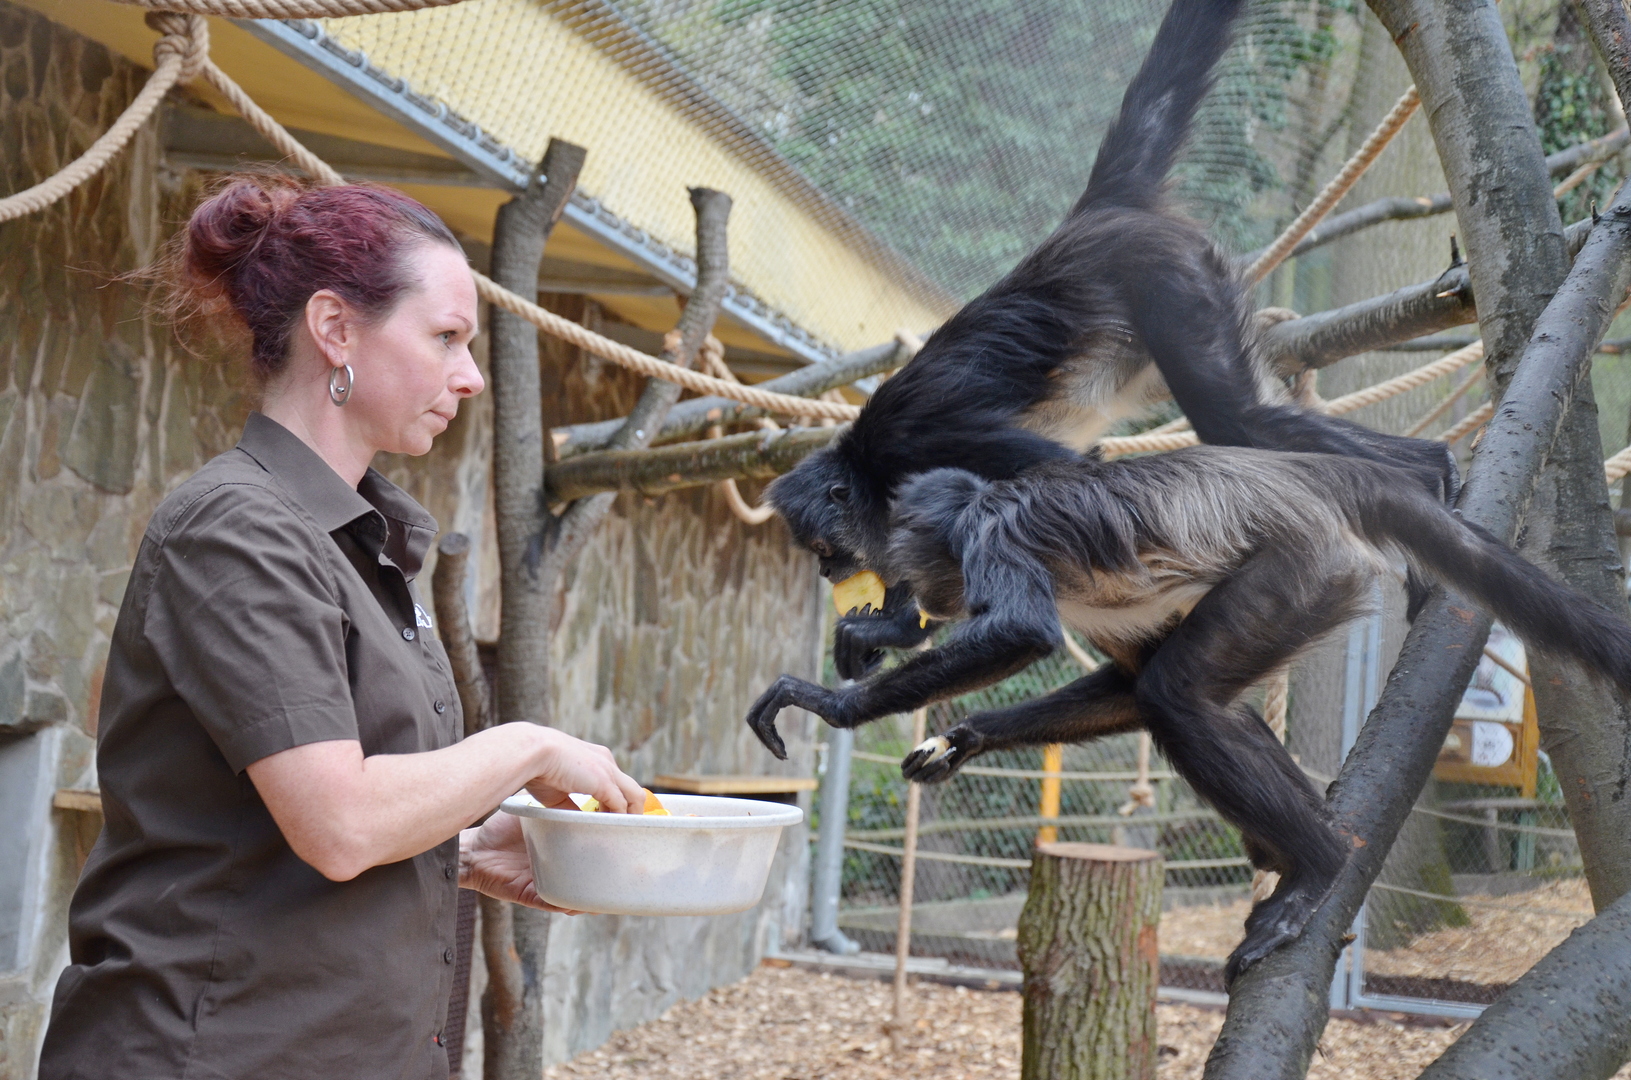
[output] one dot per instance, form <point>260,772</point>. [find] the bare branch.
<point>690,418</point>
<point>1381,322</point>
<point>1406,208</point>
<point>453,624</point>
<point>572,530</point>
<point>756,455</point>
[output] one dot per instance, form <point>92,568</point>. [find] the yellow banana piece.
<point>859,593</point>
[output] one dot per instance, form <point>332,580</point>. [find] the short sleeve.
<point>243,616</point>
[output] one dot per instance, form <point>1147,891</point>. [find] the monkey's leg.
<point>1201,348</point>
<point>1091,707</point>
<point>1017,624</point>
<point>1244,629</point>
<point>859,640</point>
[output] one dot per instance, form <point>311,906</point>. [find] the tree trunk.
<point>1087,941</point>
<point>1481,123</point>
<point>512,1011</point>
<point>1584,726</point>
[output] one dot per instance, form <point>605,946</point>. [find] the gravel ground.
<point>790,1024</point>
<point>1503,941</point>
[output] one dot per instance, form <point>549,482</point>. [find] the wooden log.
<point>755,455</point>
<point>1087,942</point>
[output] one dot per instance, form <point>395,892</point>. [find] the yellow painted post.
<point>1053,761</point>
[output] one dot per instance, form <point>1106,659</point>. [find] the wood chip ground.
<point>792,1024</point>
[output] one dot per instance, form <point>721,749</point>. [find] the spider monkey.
<point>1198,572</point>
<point>1125,302</point>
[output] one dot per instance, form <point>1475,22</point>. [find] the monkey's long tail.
<point>1549,616</point>
<point>1142,143</point>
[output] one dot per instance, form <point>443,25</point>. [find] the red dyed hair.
<point>262,244</point>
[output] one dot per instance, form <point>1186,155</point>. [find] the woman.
<point>285,799</point>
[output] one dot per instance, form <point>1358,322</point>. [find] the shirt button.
<point>440,707</point>
<point>447,955</point>
<point>407,633</point>
<point>447,871</point>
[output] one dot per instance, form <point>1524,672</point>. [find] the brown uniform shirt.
<point>270,606</point>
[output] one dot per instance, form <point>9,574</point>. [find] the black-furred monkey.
<point>1198,573</point>
<point>1124,302</point>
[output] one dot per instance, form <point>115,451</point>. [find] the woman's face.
<point>413,366</point>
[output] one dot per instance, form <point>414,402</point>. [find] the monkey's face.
<point>829,510</point>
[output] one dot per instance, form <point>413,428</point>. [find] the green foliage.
<point>1572,105</point>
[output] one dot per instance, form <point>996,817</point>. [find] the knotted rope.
<point>176,58</point>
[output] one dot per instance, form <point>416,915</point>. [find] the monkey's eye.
<point>822,548</point>
<point>838,493</point>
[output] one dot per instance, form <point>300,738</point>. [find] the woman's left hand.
<point>493,860</point>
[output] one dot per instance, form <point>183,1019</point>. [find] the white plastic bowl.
<point>631,864</point>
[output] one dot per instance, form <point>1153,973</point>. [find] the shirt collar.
<point>377,512</point>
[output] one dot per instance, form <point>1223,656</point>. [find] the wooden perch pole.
<point>1087,942</point>
<point>755,455</point>
<point>1484,131</point>
<point>573,527</point>
<point>1321,339</point>
<point>514,939</point>
<point>899,1020</point>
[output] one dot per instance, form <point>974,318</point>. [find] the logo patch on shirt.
<point>421,617</point>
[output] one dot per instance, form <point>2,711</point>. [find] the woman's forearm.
<point>343,812</point>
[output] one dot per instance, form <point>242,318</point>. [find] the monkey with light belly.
<point>1198,573</point>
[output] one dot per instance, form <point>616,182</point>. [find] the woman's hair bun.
<point>229,226</point>
<point>260,244</point>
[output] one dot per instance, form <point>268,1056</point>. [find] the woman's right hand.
<point>567,764</point>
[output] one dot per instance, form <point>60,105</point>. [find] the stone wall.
<point>674,619</point>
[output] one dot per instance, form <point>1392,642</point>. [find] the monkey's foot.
<point>1276,921</point>
<point>937,758</point>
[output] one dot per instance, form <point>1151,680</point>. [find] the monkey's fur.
<point>1198,573</point>
<point>1123,303</point>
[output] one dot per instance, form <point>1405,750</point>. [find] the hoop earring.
<point>337,393</point>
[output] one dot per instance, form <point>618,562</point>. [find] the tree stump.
<point>1087,942</point>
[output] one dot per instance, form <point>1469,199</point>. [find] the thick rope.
<point>1474,377</point>
<point>176,57</point>
<point>1371,395</point>
<point>1618,465</point>
<point>1166,437</point>
<point>288,9</point>
<point>1339,186</point>
<point>1471,422</point>
<point>638,362</point>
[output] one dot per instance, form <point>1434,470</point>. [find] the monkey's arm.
<point>1014,623</point>
<point>859,640</point>
<point>1094,706</point>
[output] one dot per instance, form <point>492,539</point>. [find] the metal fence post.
<point>829,868</point>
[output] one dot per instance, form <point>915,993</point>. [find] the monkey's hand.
<point>859,640</point>
<point>788,691</point>
<point>937,758</point>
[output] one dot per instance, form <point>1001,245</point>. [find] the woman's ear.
<point>329,322</point>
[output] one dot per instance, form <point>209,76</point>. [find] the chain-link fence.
<point>1484,880</point>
